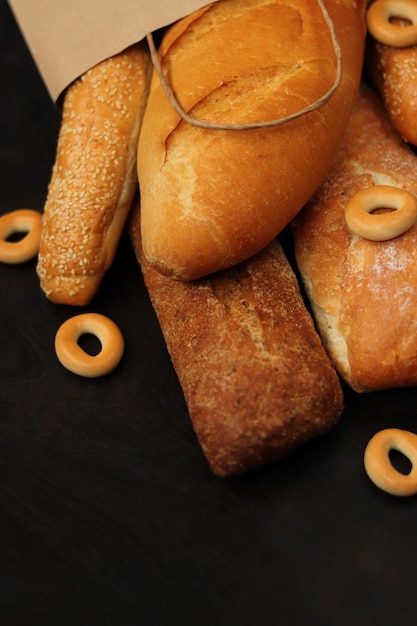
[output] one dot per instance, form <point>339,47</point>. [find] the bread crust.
<point>211,198</point>
<point>255,376</point>
<point>393,71</point>
<point>94,176</point>
<point>363,292</point>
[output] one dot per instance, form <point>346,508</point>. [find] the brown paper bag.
<point>67,38</point>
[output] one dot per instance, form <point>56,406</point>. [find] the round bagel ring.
<point>381,226</point>
<point>20,221</point>
<point>75,359</point>
<point>379,467</point>
<point>379,16</point>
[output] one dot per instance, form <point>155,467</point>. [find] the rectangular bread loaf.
<point>255,376</point>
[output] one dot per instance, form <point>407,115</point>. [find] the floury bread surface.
<point>94,177</point>
<point>255,376</point>
<point>212,198</point>
<point>363,292</point>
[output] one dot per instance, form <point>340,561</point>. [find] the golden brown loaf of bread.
<point>211,198</point>
<point>255,376</point>
<point>363,292</point>
<point>94,176</point>
<point>393,71</point>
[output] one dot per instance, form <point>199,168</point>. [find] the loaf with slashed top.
<point>211,198</point>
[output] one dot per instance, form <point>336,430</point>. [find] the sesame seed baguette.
<point>393,71</point>
<point>255,376</point>
<point>94,176</point>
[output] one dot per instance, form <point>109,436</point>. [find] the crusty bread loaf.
<point>363,292</point>
<point>393,71</point>
<point>211,198</point>
<point>94,176</point>
<point>255,376</point>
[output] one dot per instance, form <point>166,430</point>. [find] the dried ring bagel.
<point>380,25</point>
<point>75,359</point>
<point>381,226</point>
<point>16,222</point>
<point>379,467</point>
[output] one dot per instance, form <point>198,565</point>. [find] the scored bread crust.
<point>94,176</point>
<point>363,293</point>
<point>211,198</point>
<point>255,376</point>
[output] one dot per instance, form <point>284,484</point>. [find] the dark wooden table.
<point>109,514</point>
